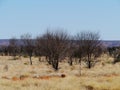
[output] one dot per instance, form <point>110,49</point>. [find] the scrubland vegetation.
<point>19,75</point>
<point>57,61</point>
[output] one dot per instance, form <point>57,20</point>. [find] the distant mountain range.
<point>107,43</point>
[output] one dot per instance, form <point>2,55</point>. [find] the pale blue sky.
<point>35,16</point>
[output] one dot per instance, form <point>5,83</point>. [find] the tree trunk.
<point>55,64</point>
<point>30,60</point>
<point>89,62</point>
<point>71,62</point>
<point>49,60</point>
<point>80,66</point>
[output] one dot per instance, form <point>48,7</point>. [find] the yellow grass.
<point>104,76</point>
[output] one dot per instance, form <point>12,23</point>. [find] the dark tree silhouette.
<point>13,47</point>
<point>71,50</point>
<point>38,47</point>
<point>54,46</point>
<point>4,50</point>
<point>28,44</point>
<point>90,46</point>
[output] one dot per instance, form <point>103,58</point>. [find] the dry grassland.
<point>19,75</point>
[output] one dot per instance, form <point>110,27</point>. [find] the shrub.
<point>117,59</point>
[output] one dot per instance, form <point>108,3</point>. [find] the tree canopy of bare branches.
<point>54,46</point>
<point>13,47</point>
<point>89,46</point>
<point>28,44</point>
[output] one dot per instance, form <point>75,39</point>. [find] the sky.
<point>18,17</point>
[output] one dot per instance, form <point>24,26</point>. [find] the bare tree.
<point>54,46</point>
<point>4,49</point>
<point>89,45</point>
<point>13,47</point>
<point>43,45</point>
<point>71,50</point>
<point>70,55</point>
<point>38,47</point>
<point>28,44</point>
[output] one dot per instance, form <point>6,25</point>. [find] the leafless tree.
<point>71,50</point>
<point>38,47</point>
<point>89,45</point>
<point>13,47</point>
<point>70,55</point>
<point>43,45</point>
<point>54,46</point>
<point>4,49</point>
<point>28,44</point>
